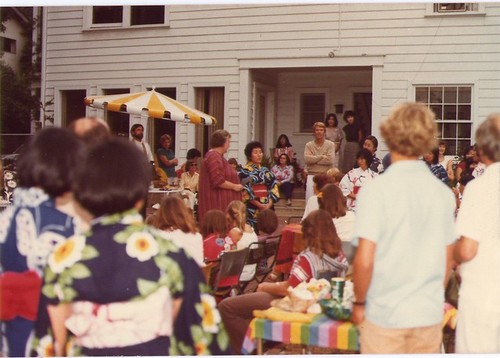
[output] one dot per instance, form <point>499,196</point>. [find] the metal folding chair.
<point>228,272</point>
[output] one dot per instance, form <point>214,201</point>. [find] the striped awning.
<point>151,104</point>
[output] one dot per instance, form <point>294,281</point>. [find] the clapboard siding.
<point>204,44</point>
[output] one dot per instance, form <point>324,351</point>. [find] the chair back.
<point>284,257</point>
<point>230,268</point>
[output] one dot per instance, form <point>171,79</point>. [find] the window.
<point>118,122</point>
<point>7,45</point>
<point>456,8</point>
<point>72,106</point>
<point>453,109</point>
<point>312,109</point>
<point>125,16</point>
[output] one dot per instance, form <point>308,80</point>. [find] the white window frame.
<point>311,90</point>
<point>481,11</point>
<point>455,121</point>
<point>125,24</point>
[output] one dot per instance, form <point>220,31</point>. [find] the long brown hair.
<point>320,234</point>
<point>332,201</point>
<point>173,214</point>
<point>214,222</point>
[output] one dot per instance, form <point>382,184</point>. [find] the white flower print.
<point>66,253</point>
<point>142,245</point>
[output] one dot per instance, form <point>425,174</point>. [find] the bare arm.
<point>58,315</point>
<point>449,263</point>
<point>274,288</point>
<point>362,276</point>
<point>465,249</point>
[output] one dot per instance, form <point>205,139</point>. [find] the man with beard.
<point>137,132</point>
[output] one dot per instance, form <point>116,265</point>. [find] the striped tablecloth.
<point>321,332</point>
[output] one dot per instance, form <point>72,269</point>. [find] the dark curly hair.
<point>250,147</point>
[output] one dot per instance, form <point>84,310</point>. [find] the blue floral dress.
<point>125,281</point>
<point>29,229</point>
<point>257,176</point>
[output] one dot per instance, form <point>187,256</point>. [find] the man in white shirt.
<point>404,232</point>
<point>137,133</point>
<point>478,224</point>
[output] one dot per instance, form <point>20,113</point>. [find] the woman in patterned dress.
<point>31,227</point>
<point>123,288</point>
<point>261,189</point>
<point>283,171</point>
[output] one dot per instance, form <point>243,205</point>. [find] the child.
<point>267,223</point>
<point>214,232</point>
<point>241,233</point>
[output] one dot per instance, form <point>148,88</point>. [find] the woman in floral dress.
<point>29,229</point>
<point>261,189</point>
<point>123,288</point>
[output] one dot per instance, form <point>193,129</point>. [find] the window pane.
<point>438,111</point>
<point>464,95</point>
<point>147,15</point>
<point>72,106</point>
<point>107,14</point>
<point>312,109</point>
<point>450,95</point>
<point>436,95</point>
<point>464,130</point>
<point>464,113</point>
<point>421,94</point>
<point>450,113</point>
<point>449,130</point>
<point>118,122</point>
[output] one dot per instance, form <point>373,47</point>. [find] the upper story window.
<point>455,8</point>
<point>452,106</point>
<point>125,16</point>
<point>7,45</point>
<point>312,109</point>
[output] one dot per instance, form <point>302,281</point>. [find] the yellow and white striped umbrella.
<point>151,104</point>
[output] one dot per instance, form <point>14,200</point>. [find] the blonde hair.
<point>410,130</point>
<point>335,173</point>
<point>173,214</point>
<point>237,212</point>
<point>319,124</point>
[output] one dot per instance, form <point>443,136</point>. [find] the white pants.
<point>189,198</point>
<point>478,330</point>
<point>309,186</point>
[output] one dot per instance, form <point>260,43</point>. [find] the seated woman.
<point>431,159</point>
<point>261,190</point>
<point>283,146</point>
<point>189,183</point>
<point>283,172</point>
<point>122,289</point>
<point>333,201</point>
<point>178,222</point>
<point>357,177</point>
<point>323,252</point>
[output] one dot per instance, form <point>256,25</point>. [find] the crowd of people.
<point>85,272</point>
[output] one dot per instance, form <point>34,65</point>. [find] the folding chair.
<point>229,271</point>
<point>264,255</point>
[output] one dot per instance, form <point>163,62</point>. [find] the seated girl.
<point>323,253</point>
<point>123,288</point>
<point>213,230</point>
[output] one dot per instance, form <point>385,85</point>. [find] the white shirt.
<point>479,220</point>
<point>144,146</point>
<point>311,205</point>
<point>192,243</point>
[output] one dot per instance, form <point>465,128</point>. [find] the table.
<point>321,332</point>
<point>291,244</point>
<point>156,195</point>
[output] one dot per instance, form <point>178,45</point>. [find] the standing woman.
<point>261,190</point>
<point>353,134</point>
<point>334,133</point>
<point>283,146</point>
<point>219,183</point>
<point>166,156</point>
<point>283,172</point>
<point>31,227</point>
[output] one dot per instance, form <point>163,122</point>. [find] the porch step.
<point>297,209</point>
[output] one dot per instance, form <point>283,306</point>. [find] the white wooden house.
<point>263,70</point>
